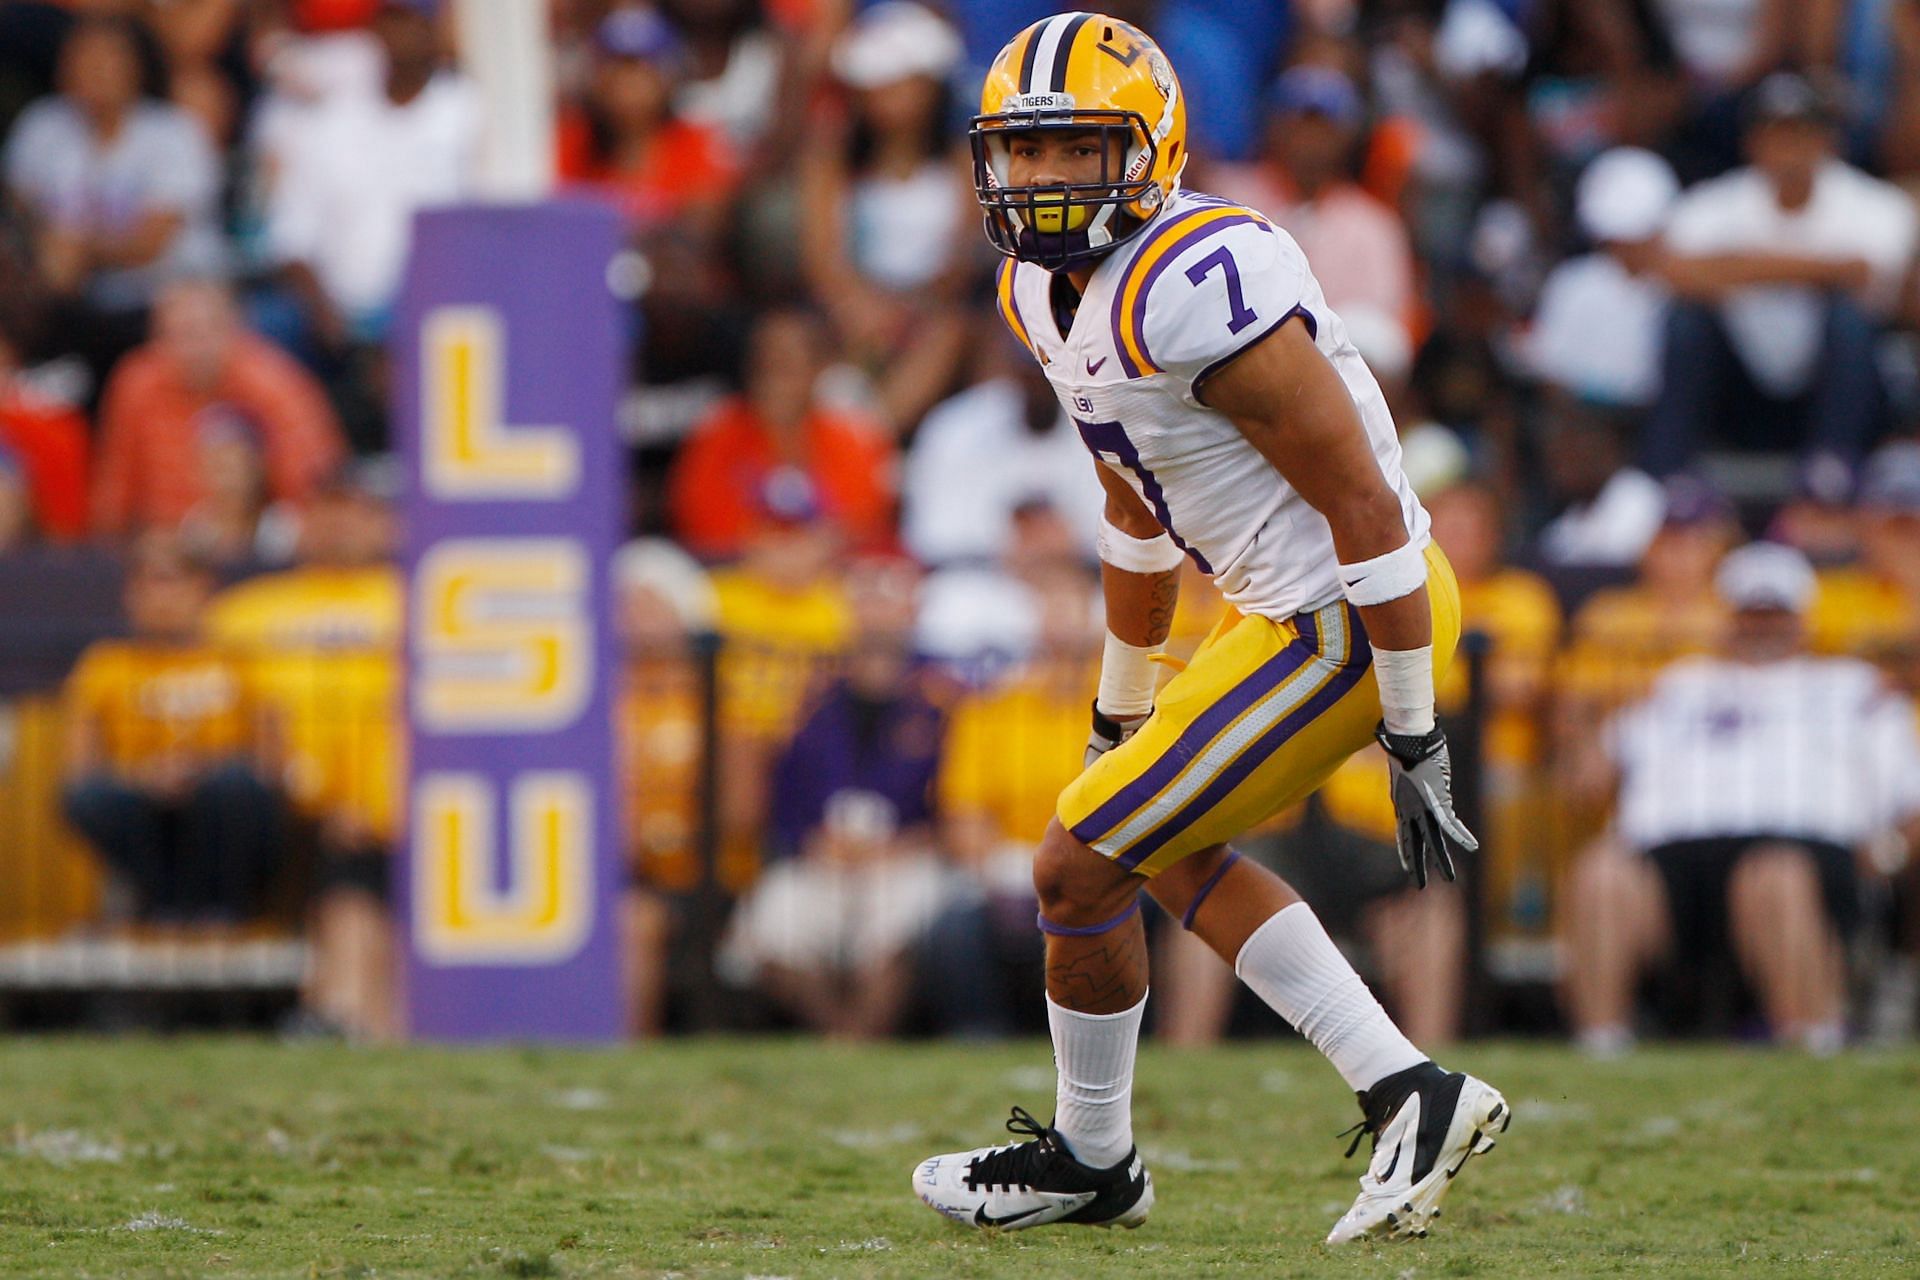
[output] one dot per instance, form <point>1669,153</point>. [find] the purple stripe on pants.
<point>1207,726</point>
<point>1252,758</point>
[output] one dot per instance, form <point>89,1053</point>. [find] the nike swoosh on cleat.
<point>980,1218</point>
<point>1395,1162</point>
<point>1093,366</point>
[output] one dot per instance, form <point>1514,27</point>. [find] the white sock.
<point>1292,964</point>
<point>1093,1106</point>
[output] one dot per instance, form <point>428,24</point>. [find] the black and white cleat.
<point>1030,1184</point>
<point>1425,1124</point>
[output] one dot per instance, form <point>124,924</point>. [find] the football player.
<point>1233,423</point>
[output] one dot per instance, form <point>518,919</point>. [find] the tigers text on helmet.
<point>1079,73</point>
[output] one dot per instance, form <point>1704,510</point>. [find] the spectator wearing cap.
<point>47,442</point>
<point>1748,785</point>
<point>343,186</point>
<point>982,454</point>
<point>201,357</point>
<point>1623,636</point>
<point>718,480</point>
<point>1597,329</point>
<point>1783,273</point>
<point>664,600</point>
<point>782,613</point>
<point>885,233</point>
<point>1872,609</point>
<point>625,141</point>
<point>121,192</point>
<point>1304,181</point>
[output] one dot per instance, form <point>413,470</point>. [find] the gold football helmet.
<point>1079,72</point>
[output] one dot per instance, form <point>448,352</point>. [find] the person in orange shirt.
<point>148,471</point>
<point>168,752</point>
<point>625,143</point>
<point>49,441</point>
<point>1622,636</point>
<point>714,491</point>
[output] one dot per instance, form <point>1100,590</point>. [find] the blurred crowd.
<point>1637,277</point>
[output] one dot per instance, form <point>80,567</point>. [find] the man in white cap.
<point>1748,786</point>
<point>1597,330</point>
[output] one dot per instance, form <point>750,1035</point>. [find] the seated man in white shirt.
<point>1748,786</point>
<point>1781,273</point>
<point>1597,330</point>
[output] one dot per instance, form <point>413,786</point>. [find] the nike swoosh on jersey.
<point>1093,366</point>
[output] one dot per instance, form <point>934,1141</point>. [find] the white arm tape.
<point>1127,678</point>
<point>1405,677</point>
<point>1398,573</point>
<point>1122,550</point>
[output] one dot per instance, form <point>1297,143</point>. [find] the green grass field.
<point>788,1158</point>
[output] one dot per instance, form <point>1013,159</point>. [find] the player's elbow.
<point>1365,517</point>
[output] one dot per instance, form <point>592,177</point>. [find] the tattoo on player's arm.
<point>1110,976</point>
<point>1160,605</point>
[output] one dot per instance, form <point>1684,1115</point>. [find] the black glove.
<point>1108,733</point>
<point>1422,781</point>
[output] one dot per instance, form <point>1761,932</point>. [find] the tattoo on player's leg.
<point>1113,974</point>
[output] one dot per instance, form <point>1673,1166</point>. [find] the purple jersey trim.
<point>1179,236</point>
<point>1298,309</point>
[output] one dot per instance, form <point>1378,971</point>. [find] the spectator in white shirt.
<point>1597,331</point>
<point>1748,785</point>
<point>348,176</point>
<point>1783,271</point>
<point>121,193</point>
<point>981,455</point>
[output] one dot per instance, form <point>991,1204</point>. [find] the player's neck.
<point>1078,277</point>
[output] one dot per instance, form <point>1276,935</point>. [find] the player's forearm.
<point>1405,623</point>
<point>1140,605</point>
<point>1140,577</point>
<point>1139,618</point>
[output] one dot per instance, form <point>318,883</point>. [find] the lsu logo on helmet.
<point>1079,73</point>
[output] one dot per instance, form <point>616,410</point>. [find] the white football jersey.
<point>1206,280</point>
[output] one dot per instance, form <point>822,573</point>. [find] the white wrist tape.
<point>1405,677</point>
<point>1127,678</point>
<point>1388,577</point>
<point>1122,550</point>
